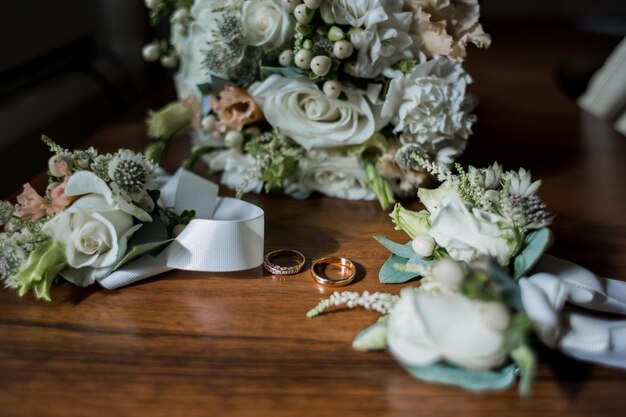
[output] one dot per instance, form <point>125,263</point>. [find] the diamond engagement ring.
<point>293,262</point>
<point>333,271</point>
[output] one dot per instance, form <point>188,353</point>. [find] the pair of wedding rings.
<point>332,271</point>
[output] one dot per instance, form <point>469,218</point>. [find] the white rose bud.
<point>153,4</point>
<point>423,245</point>
<point>343,49</point>
<point>150,52</point>
<point>313,4</point>
<point>303,14</point>
<point>290,5</point>
<point>320,65</point>
<point>303,59</point>
<point>332,89</point>
<point>448,271</point>
<point>233,139</point>
<point>209,123</point>
<point>52,166</point>
<point>180,16</point>
<point>336,34</point>
<point>169,61</point>
<point>286,58</point>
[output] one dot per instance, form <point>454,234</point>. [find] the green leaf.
<point>372,338</point>
<point>525,358</point>
<point>41,268</point>
<point>148,238</point>
<point>404,251</point>
<point>378,185</point>
<point>535,244</point>
<point>508,286</point>
<point>443,373</point>
<point>287,72</point>
<point>390,275</point>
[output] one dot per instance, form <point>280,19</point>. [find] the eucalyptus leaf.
<point>372,338</point>
<point>137,250</point>
<point>509,287</point>
<point>404,251</point>
<point>535,244</point>
<point>390,275</point>
<point>447,374</point>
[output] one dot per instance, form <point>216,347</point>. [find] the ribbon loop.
<point>580,335</point>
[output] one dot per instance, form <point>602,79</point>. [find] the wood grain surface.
<point>239,344</point>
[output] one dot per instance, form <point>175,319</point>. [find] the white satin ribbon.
<point>578,334</point>
<point>226,235</point>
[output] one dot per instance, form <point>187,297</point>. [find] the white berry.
<point>313,4</point>
<point>320,65</point>
<point>233,139</point>
<point>153,4</point>
<point>150,52</point>
<point>209,123</point>
<point>169,61</point>
<point>290,5</point>
<point>336,33</point>
<point>286,58</point>
<point>423,245</point>
<point>343,49</point>
<point>302,14</point>
<point>180,16</point>
<point>448,271</point>
<point>332,89</point>
<point>303,59</point>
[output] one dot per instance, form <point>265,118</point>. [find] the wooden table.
<point>187,344</point>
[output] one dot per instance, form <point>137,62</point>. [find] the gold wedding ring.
<point>283,262</point>
<point>333,271</point>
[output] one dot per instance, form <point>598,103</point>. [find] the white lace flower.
<point>429,107</point>
<point>521,184</point>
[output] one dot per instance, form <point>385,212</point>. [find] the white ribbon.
<point>226,235</point>
<point>576,333</point>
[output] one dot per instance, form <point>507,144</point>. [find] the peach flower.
<point>235,109</point>
<point>33,206</point>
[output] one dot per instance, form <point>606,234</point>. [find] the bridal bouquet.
<point>330,96</point>
<point>98,213</point>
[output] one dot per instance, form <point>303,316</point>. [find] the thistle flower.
<point>131,176</point>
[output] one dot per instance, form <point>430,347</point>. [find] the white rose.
<point>304,113</point>
<point>429,107</point>
<point>467,235</point>
<point>425,328</point>
<point>336,176</point>
<point>95,234</point>
<point>267,24</point>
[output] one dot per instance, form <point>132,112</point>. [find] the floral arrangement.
<point>98,213</point>
<point>330,96</point>
<point>465,324</point>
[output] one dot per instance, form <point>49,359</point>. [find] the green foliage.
<point>534,246</point>
<point>378,185</point>
<point>41,268</point>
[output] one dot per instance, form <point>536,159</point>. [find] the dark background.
<point>69,66</point>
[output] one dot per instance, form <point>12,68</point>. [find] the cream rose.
<point>267,24</point>
<point>336,176</point>
<point>425,328</point>
<point>95,234</point>
<point>301,111</point>
<point>467,235</point>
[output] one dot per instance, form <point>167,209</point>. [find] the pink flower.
<point>235,109</point>
<point>32,205</point>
